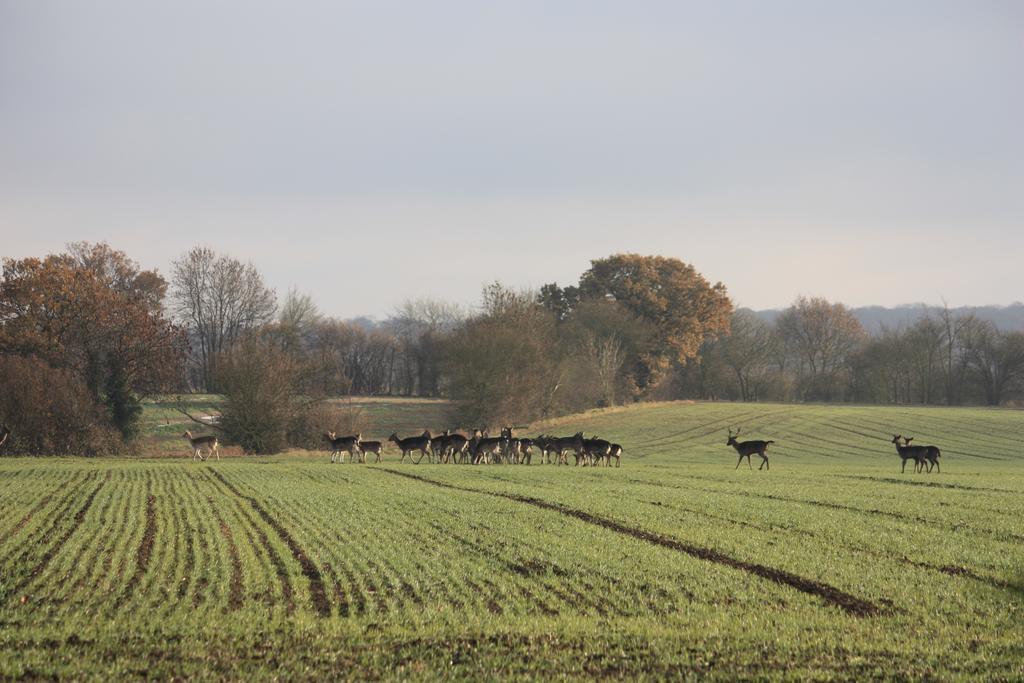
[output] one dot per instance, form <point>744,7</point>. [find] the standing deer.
<point>616,452</point>
<point>340,445</point>
<point>198,443</point>
<point>483,447</point>
<point>931,455</point>
<point>748,448</point>
<point>453,446</point>
<point>907,452</point>
<point>375,447</point>
<point>563,444</point>
<point>548,449</point>
<point>595,450</point>
<point>522,449</point>
<point>413,443</point>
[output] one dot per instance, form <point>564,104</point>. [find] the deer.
<point>563,444</point>
<point>547,447</point>
<point>748,448</point>
<point>594,450</point>
<point>439,444</point>
<point>198,443</point>
<point>615,452</point>
<point>482,447</point>
<point>906,452</point>
<point>931,456</point>
<point>407,445</point>
<point>5,432</point>
<point>340,445</point>
<point>375,447</point>
<point>454,446</point>
<point>522,450</point>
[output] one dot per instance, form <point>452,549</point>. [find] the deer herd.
<point>481,449</point>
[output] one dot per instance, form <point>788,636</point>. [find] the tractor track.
<point>830,594</point>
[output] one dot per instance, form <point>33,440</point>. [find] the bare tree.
<point>419,327</point>
<point>748,351</point>
<point>957,329</point>
<point>218,299</point>
<point>997,361</point>
<point>606,355</point>
<point>822,335</point>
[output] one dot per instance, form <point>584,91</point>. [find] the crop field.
<point>832,565</point>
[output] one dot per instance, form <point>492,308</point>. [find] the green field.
<point>833,565</point>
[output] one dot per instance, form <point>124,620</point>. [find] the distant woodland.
<point>86,335</point>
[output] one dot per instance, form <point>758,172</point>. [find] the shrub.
<point>262,400</point>
<point>51,412</point>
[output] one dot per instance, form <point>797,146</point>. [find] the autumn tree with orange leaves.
<point>93,313</point>
<point>681,305</point>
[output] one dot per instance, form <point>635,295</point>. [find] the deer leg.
<point>748,463</point>
<point>904,468</point>
<point>738,463</point>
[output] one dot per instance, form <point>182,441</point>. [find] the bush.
<point>51,412</point>
<point>263,410</point>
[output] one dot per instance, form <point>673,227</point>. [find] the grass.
<point>833,565</point>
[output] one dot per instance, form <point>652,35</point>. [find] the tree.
<point>419,327</point>
<point>604,345</point>
<point>95,313</point>
<point>821,335</point>
<point>684,307</point>
<point>219,299</point>
<point>50,411</point>
<point>997,361</point>
<point>502,363</point>
<point>748,350</point>
<point>263,398</point>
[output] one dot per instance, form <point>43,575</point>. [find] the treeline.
<point>817,351</point>
<point>86,335</point>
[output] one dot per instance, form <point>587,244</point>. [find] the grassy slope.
<point>288,566</point>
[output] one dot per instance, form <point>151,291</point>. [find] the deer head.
<point>732,437</point>
<point>896,439</point>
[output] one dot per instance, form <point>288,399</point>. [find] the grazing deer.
<point>748,448</point>
<point>340,445</point>
<point>413,443</point>
<point>916,453</point>
<point>615,452</point>
<point>931,455</point>
<point>4,434</point>
<point>199,443</point>
<point>375,447</point>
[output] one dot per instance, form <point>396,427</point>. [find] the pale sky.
<point>369,152</point>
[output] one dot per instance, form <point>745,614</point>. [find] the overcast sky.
<point>368,152</point>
